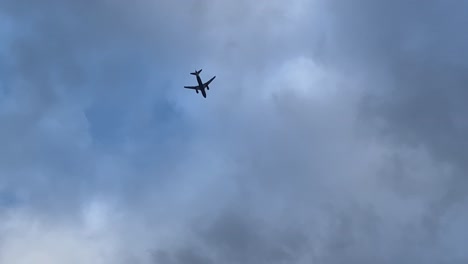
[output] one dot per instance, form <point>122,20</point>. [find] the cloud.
<point>418,100</point>
<point>333,132</point>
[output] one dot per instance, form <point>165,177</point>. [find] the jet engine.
<point>196,90</point>
<point>207,87</point>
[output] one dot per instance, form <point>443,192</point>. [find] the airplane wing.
<point>191,87</point>
<point>208,82</point>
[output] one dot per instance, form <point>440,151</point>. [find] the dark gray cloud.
<point>334,133</point>
<point>419,101</point>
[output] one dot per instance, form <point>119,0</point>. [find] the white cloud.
<point>27,239</point>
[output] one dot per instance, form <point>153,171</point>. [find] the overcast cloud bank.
<point>333,133</point>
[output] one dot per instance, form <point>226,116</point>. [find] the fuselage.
<point>201,87</point>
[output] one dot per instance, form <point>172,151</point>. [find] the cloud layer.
<point>333,133</point>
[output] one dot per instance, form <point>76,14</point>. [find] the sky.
<point>334,132</point>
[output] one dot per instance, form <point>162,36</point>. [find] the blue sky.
<point>333,133</point>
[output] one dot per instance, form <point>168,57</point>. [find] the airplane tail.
<point>196,72</point>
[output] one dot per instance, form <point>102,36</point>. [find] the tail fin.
<point>196,72</point>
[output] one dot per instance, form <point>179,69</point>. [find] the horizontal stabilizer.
<point>196,72</point>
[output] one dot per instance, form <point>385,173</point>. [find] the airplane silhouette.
<point>201,86</point>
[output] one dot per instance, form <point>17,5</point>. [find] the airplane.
<point>201,86</point>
